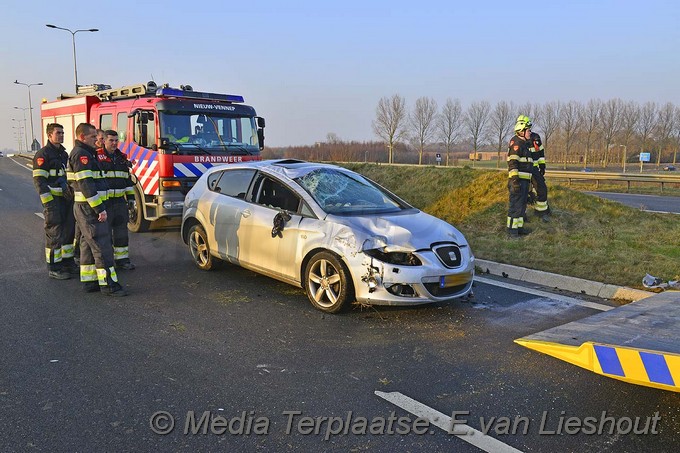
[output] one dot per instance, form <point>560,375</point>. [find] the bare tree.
<point>502,120</point>
<point>449,124</point>
<point>610,121</point>
<point>572,120</point>
<point>549,120</point>
<point>527,109</point>
<point>389,123</point>
<point>423,123</point>
<point>629,119</point>
<point>591,122</point>
<point>476,119</point>
<point>665,128</point>
<point>645,126</point>
<point>332,138</point>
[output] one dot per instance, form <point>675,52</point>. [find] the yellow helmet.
<point>523,122</point>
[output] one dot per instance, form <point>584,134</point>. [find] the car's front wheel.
<point>200,249</point>
<point>328,283</point>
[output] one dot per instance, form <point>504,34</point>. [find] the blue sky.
<point>313,67</point>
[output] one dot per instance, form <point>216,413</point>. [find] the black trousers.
<point>59,230</point>
<point>117,209</point>
<point>538,181</point>
<point>517,204</point>
<point>96,250</point>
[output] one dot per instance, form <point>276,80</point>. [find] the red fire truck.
<point>171,136</point>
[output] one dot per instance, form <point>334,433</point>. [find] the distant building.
<point>484,155</point>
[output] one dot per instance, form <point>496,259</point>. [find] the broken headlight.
<point>398,258</point>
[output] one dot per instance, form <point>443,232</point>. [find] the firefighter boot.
<point>125,264</point>
<point>513,233</point>
<point>69,265</point>
<point>59,274</point>
<point>114,290</point>
<point>91,287</point>
<point>523,231</point>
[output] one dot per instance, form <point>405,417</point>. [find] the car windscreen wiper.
<point>198,148</point>
<point>230,146</point>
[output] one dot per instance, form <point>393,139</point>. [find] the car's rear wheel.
<point>328,283</point>
<point>200,249</point>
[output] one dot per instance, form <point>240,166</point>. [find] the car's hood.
<point>400,232</point>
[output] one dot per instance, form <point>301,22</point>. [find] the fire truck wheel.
<point>137,223</point>
<point>200,249</point>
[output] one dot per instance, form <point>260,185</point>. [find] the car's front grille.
<point>437,291</point>
<point>449,255</point>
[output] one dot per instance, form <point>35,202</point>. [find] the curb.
<point>563,282</point>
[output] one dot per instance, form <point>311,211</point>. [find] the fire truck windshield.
<point>213,133</point>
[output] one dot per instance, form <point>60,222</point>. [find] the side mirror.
<point>260,121</point>
<point>260,137</point>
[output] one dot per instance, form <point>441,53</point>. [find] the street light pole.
<point>18,131</point>
<point>25,126</point>
<point>73,37</point>
<point>30,105</point>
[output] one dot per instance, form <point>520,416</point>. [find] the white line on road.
<point>538,292</point>
<point>27,166</point>
<point>40,214</point>
<point>462,431</point>
<point>660,212</point>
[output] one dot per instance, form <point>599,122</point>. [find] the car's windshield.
<point>187,131</point>
<point>341,193</point>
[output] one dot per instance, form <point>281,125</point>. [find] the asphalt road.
<point>83,372</point>
<point>656,203</point>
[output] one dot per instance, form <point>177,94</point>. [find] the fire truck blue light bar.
<point>174,92</point>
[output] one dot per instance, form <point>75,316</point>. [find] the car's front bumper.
<point>380,283</point>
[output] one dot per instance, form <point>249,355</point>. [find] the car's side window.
<point>234,183</point>
<point>306,211</point>
<point>213,178</point>
<point>276,195</point>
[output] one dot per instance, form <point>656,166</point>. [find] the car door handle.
<point>245,213</point>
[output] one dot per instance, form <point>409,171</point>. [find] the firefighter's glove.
<point>68,192</point>
<point>541,168</point>
<point>515,186</point>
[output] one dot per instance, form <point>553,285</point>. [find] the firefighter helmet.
<point>524,119</point>
<point>521,125</point>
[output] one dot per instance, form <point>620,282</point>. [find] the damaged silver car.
<point>331,231</point>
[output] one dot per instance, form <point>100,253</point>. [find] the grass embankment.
<point>588,237</point>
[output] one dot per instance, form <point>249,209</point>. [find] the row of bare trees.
<point>573,132</point>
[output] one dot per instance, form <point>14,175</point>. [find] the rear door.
<point>226,204</point>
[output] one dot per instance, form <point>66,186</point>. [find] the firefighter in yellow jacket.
<point>116,170</point>
<point>541,208</point>
<point>49,178</point>
<point>97,272</point>
<point>520,164</point>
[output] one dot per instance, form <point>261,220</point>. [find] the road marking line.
<point>22,165</point>
<point>660,212</point>
<point>40,214</point>
<point>462,431</point>
<point>538,292</point>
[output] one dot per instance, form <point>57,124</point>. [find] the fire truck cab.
<point>171,136</point>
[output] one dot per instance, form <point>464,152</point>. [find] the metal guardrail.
<point>628,178</point>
